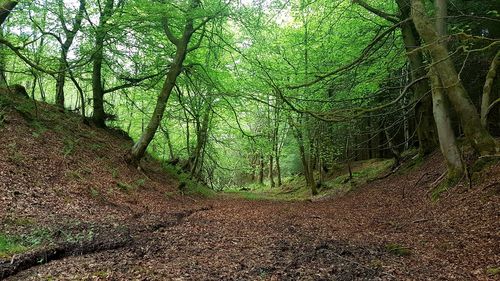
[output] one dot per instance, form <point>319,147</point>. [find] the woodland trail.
<point>234,239</point>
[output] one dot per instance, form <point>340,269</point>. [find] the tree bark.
<point>488,85</point>
<point>5,10</point>
<point>447,140</point>
<point>426,130</point>
<point>261,169</point>
<point>272,184</point>
<point>480,139</point>
<point>63,63</point>
<point>306,166</point>
<point>139,148</point>
<point>99,115</point>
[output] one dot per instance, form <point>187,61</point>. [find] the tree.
<point>101,33</point>
<point>475,133</point>
<point>182,49</point>
<point>70,33</point>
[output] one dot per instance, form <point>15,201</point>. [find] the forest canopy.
<point>252,91</point>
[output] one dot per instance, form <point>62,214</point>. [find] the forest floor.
<point>72,209</point>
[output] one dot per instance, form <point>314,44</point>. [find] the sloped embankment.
<point>65,187</point>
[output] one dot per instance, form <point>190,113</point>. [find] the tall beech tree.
<point>447,139</point>
<point>101,34</point>
<point>476,134</point>
<point>69,33</point>
<point>182,48</point>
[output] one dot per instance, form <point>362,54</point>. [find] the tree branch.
<point>6,9</point>
<point>24,58</point>
<point>389,17</point>
<point>132,82</point>
<point>171,37</point>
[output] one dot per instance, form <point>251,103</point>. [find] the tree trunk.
<point>99,116</point>
<point>392,148</point>
<point>278,170</point>
<point>307,169</point>
<point>201,139</point>
<point>61,79</point>
<point>63,64</point>
<point>139,148</point>
<point>488,85</point>
<point>446,134</point>
<point>261,169</point>
<point>5,10</point>
<point>3,61</point>
<point>426,130</point>
<point>141,145</point>
<point>271,175</point>
<point>476,134</point>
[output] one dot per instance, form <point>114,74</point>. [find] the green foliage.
<point>19,221</point>
<point>114,173</point>
<point>140,182</point>
<point>94,192</point>
<point>26,108</point>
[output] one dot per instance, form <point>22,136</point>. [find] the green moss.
<point>451,180</point>
<point>493,271</point>
<point>26,108</point>
<point>124,186</point>
<point>94,192</point>
<point>140,182</point>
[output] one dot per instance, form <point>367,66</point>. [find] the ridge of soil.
<point>57,172</point>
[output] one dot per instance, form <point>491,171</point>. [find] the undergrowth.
<point>187,185</point>
<point>294,187</point>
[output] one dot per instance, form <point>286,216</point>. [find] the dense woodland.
<point>249,140</point>
<point>239,92</point>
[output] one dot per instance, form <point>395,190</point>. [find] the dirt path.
<point>232,239</point>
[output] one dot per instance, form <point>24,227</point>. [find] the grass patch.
<point>114,173</point>
<point>191,187</point>
<point>398,250</point>
<point>10,245</point>
<point>493,271</point>
<point>3,112</point>
<point>294,188</point>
